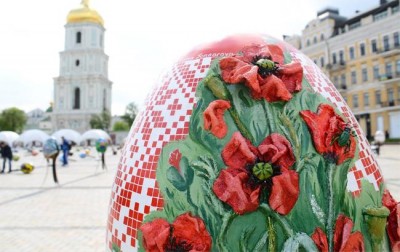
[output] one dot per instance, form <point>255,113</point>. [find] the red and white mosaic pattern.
<point>165,118</point>
<point>366,166</point>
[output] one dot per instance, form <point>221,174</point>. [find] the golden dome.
<point>84,14</point>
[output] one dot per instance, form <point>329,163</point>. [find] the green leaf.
<point>115,248</point>
<point>299,240</point>
<point>186,170</point>
<point>176,179</point>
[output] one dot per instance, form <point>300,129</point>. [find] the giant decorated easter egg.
<point>101,145</point>
<point>245,145</point>
<point>50,147</point>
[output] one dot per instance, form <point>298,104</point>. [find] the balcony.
<point>388,51</point>
<point>338,66</point>
<point>389,78</point>
<point>391,103</point>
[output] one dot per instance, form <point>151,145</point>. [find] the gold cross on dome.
<point>85,3</point>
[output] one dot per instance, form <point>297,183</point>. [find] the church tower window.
<point>77,62</point>
<point>104,99</point>
<point>78,37</point>
<point>77,98</point>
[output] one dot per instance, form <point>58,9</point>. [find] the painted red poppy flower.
<point>214,118</point>
<point>155,235</point>
<point>262,69</point>
<point>332,137</point>
<point>186,233</point>
<point>343,239</point>
<point>253,170</point>
<point>393,221</point>
<point>175,159</point>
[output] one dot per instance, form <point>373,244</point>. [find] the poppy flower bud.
<point>217,87</point>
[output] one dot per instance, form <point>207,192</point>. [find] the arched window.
<point>77,62</point>
<point>78,37</point>
<point>104,99</point>
<point>77,98</point>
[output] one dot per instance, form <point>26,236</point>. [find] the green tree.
<point>12,119</point>
<point>120,126</point>
<point>131,112</point>
<point>101,121</point>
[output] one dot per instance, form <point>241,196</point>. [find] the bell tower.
<point>82,87</point>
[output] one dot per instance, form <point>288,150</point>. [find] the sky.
<point>143,39</point>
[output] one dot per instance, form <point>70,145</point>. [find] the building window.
<point>77,62</point>
<point>78,37</point>
<point>380,15</point>
<point>322,61</point>
<point>376,72</point>
<point>308,42</point>
<point>355,101</point>
<point>353,77</point>
<point>398,68</point>
<point>77,98</point>
<point>94,38</point>
<point>343,80</point>
<point>378,97</point>
<point>315,40</point>
<point>333,58</point>
<point>364,72</point>
<point>322,37</point>
<point>354,25</point>
<point>396,39</point>
<point>366,99</point>
<point>388,69</point>
<point>386,46</point>
<point>336,81</point>
<point>104,99</point>
<point>390,96</point>
<point>351,52</point>
<point>398,94</point>
<point>101,41</point>
<point>362,49</point>
<point>374,46</point>
<point>341,58</point>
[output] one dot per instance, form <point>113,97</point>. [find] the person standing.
<point>6,153</point>
<point>65,149</point>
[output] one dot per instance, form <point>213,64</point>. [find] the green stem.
<point>278,218</point>
<point>219,90</point>
<point>270,116</point>
<point>289,125</point>
<point>239,124</point>
<point>226,221</point>
<point>331,213</point>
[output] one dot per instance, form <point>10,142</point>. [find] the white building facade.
<point>82,88</point>
<point>361,56</point>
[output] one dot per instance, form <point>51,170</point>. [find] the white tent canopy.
<point>95,134</point>
<point>8,136</point>
<point>69,134</point>
<point>29,136</point>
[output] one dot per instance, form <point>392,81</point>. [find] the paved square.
<point>37,215</point>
